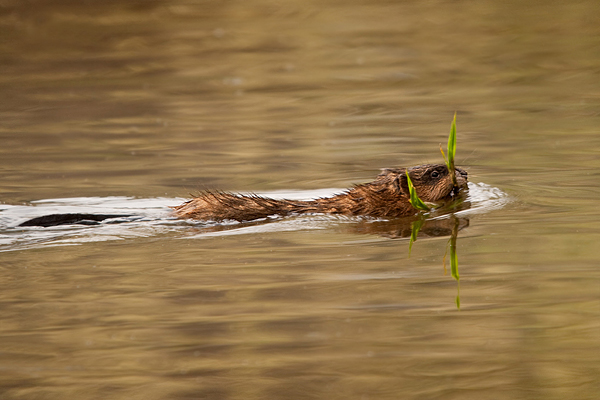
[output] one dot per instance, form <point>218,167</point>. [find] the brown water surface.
<point>157,99</point>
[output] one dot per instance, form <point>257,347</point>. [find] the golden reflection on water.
<point>162,98</point>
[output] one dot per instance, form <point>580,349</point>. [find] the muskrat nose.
<point>461,181</point>
<point>461,176</point>
<point>462,172</point>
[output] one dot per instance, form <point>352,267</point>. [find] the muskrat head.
<point>433,182</point>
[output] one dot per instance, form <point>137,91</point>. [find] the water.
<point>110,106</point>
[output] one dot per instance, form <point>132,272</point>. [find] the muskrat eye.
<point>435,174</point>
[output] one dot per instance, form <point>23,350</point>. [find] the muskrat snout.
<point>461,182</point>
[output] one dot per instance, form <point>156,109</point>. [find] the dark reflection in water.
<point>405,228</point>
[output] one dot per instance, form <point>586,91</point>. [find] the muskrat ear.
<point>385,172</point>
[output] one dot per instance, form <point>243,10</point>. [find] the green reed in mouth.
<point>415,201</point>
<point>451,150</point>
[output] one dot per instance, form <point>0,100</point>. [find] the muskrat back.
<point>385,197</point>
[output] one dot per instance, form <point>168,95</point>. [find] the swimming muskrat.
<point>385,197</point>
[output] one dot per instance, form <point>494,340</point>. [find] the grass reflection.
<point>415,227</point>
<point>455,224</point>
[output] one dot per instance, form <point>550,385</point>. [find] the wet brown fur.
<point>386,197</point>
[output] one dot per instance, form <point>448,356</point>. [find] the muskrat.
<point>385,197</point>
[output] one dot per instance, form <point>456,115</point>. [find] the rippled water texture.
<point>130,107</point>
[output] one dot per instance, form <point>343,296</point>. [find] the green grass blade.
<point>451,151</point>
<point>415,201</point>
<point>452,142</point>
<point>444,155</point>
